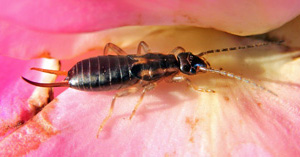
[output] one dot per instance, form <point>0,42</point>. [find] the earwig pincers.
<point>130,73</point>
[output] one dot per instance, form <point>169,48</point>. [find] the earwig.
<point>130,73</point>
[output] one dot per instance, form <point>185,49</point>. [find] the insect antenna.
<point>237,77</point>
<point>240,47</point>
<point>56,84</point>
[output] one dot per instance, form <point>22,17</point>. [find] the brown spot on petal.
<point>44,54</point>
<point>170,154</point>
<point>13,123</point>
<point>259,104</point>
<point>9,126</point>
<point>191,139</point>
<point>28,137</point>
<point>226,98</point>
<point>193,123</point>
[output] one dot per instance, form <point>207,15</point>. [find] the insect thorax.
<point>152,67</point>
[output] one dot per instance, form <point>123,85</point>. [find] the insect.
<point>131,73</point>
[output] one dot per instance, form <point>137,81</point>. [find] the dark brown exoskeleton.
<point>129,73</point>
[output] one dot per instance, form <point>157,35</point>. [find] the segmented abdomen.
<point>102,73</point>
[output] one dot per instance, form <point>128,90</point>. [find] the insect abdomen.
<point>102,73</point>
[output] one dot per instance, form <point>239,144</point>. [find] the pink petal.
<point>239,17</point>
<point>16,106</point>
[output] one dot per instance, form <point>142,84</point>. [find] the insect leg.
<point>114,48</point>
<point>146,89</point>
<point>119,94</point>
<point>177,50</point>
<point>190,84</point>
<point>145,47</point>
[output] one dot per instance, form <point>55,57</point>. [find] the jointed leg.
<point>114,48</point>
<point>178,49</point>
<point>119,94</point>
<point>146,89</point>
<point>145,47</point>
<point>189,82</point>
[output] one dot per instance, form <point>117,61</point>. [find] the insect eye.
<point>197,65</point>
<point>193,70</point>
